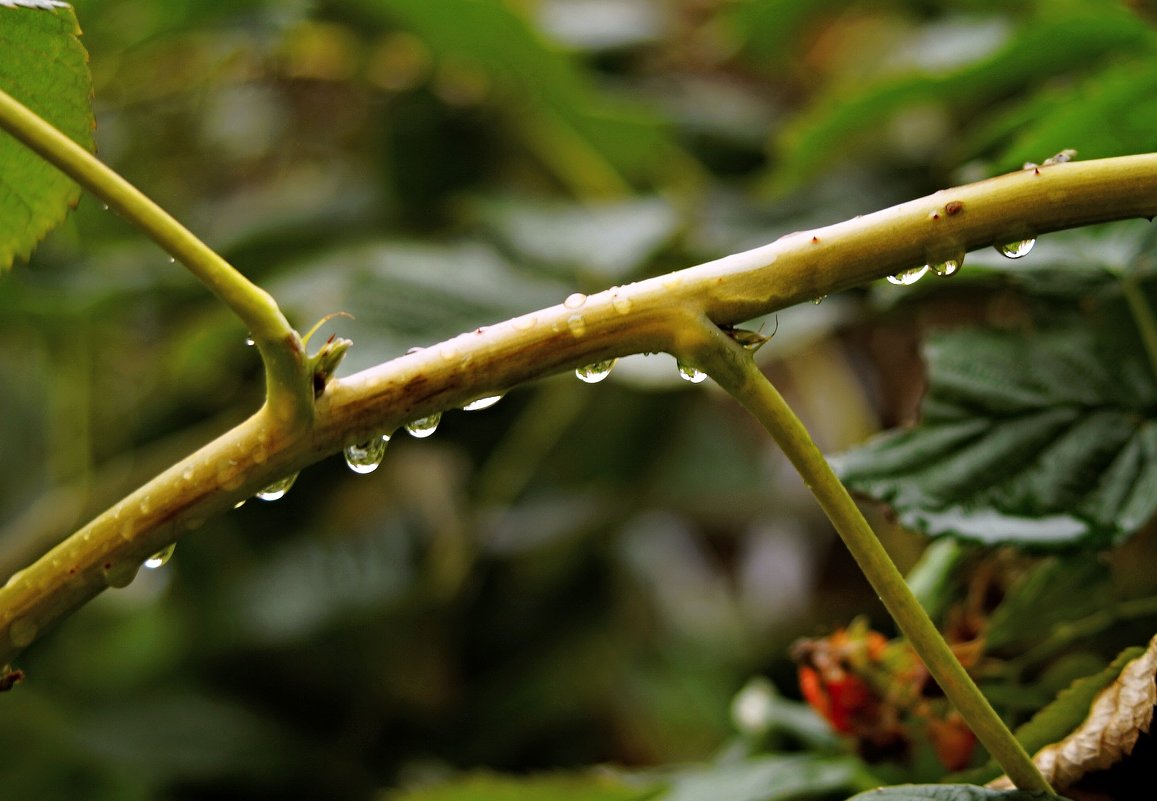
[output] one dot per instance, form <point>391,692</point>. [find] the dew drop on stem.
<point>595,372</point>
<point>161,557</point>
<point>948,266</point>
<point>481,403</point>
<point>277,489</point>
<point>365,457</point>
<point>692,374</point>
<point>424,426</point>
<point>1017,249</point>
<point>909,276</point>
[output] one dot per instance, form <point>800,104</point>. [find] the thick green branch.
<point>651,315</point>
<point>288,388</point>
<point>735,370</point>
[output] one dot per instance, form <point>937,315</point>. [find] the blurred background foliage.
<point>580,574</point>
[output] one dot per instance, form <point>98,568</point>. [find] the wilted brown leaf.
<point>1117,717</point>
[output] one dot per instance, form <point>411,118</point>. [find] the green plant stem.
<point>737,372</point>
<point>639,318</point>
<point>1143,316</point>
<point>288,389</point>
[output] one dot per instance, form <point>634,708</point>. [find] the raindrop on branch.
<point>277,489</point>
<point>596,372</point>
<point>692,374</point>
<point>947,267</point>
<point>424,426</point>
<point>366,456</point>
<point>909,276</point>
<point>161,557</point>
<point>481,403</point>
<point>1014,250</point>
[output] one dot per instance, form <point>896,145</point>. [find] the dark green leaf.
<point>592,786</point>
<point>44,66</point>
<point>1040,438</point>
<point>768,778</point>
<point>948,792</point>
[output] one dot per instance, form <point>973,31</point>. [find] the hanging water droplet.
<point>366,456</point>
<point>424,426</point>
<point>249,340</point>
<point>1014,250</point>
<point>595,372</point>
<point>692,374</point>
<point>947,267</point>
<point>819,300</point>
<point>161,557</point>
<point>909,276</point>
<point>481,403</point>
<point>574,300</point>
<point>277,489</point>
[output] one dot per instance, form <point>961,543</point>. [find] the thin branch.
<point>287,386</point>
<point>734,369</point>
<point>647,316</point>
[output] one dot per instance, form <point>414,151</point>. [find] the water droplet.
<point>481,403</point>
<point>909,276</point>
<point>249,340</point>
<point>187,474</point>
<point>1014,250</point>
<point>22,632</point>
<point>365,457</point>
<point>172,260</point>
<point>947,267</point>
<point>596,372</point>
<point>692,374</point>
<point>819,300</point>
<point>424,426</point>
<point>525,323</point>
<point>120,574</point>
<point>277,489</point>
<point>577,325</point>
<point>161,557</point>
<point>239,503</point>
<point>622,304</point>
<point>573,301</point>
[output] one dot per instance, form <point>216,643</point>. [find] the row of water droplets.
<point>1011,250</point>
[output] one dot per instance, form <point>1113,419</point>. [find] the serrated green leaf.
<point>1041,438</point>
<point>592,786</point>
<point>44,66</point>
<point>949,792</point>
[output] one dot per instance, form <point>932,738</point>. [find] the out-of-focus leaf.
<point>1042,439</point>
<point>404,294</point>
<point>1111,113</point>
<point>768,778</point>
<point>591,141</point>
<point>44,66</point>
<point>1113,708</point>
<point>949,792</point>
<point>1049,46</point>
<point>627,233</point>
<point>1054,592</point>
<point>592,786</point>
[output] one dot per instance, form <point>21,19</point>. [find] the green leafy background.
<point>581,575</point>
